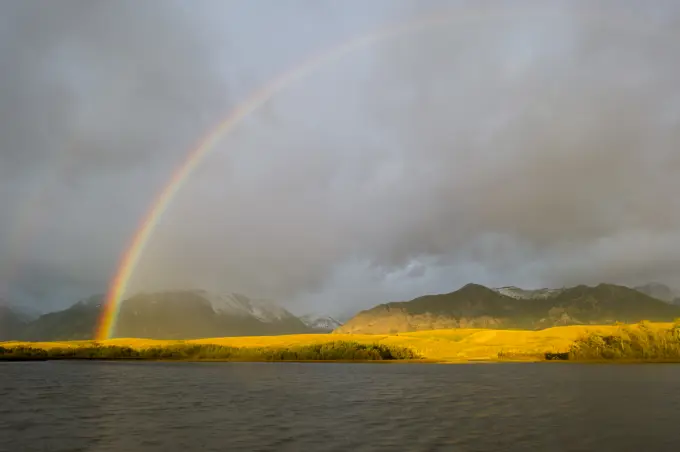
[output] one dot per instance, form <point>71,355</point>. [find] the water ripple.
<point>116,406</point>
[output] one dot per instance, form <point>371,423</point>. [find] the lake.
<point>148,406</point>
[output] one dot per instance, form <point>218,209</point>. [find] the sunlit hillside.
<point>440,345</point>
<point>476,306</point>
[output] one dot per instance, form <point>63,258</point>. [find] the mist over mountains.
<point>193,314</point>
<point>11,324</point>
<point>660,291</point>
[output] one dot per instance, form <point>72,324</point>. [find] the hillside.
<point>608,303</point>
<point>475,306</point>
<point>167,315</point>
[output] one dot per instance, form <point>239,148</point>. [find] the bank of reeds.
<point>638,343</point>
<point>331,351</point>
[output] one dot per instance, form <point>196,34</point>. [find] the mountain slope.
<point>475,306</point>
<point>607,303</point>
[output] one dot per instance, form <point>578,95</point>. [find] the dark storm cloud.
<point>532,145</point>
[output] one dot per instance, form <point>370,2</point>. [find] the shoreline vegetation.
<point>642,342</point>
<point>638,343</point>
<point>333,351</point>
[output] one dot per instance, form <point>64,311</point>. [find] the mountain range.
<point>169,315</point>
<point>196,313</point>
<point>476,306</point>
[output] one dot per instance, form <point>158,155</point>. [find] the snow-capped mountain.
<point>199,313</point>
<point>240,305</point>
<point>528,294</point>
<point>178,314</point>
<point>320,322</point>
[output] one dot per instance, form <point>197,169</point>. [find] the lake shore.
<point>349,361</point>
<point>451,346</point>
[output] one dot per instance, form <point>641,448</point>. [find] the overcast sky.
<point>532,144</point>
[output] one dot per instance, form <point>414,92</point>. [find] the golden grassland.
<point>451,345</point>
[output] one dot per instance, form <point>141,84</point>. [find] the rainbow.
<point>130,259</point>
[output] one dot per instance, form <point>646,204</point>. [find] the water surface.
<point>124,406</point>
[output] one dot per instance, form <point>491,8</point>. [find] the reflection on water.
<point>116,406</point>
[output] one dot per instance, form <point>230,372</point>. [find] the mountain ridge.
<point>198,313</point>
<point>476,306</point>
<point>163,315</point>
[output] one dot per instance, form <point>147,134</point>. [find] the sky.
<point>534,144</point>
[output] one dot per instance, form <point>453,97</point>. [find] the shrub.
<point>641,343</point>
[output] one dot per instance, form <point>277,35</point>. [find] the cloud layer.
<point>537,148</point>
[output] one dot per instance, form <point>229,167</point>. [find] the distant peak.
<point>658,291</point>
<point>613,286</point>
<point>320,321</point>
<point>655,284</point>
<point>475,286</point>
<point>606,285</point>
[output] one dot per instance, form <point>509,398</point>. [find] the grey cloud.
<point>504,148</point>
<point>99,102</point>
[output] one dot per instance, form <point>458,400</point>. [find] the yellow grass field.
<point>452,345</point>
